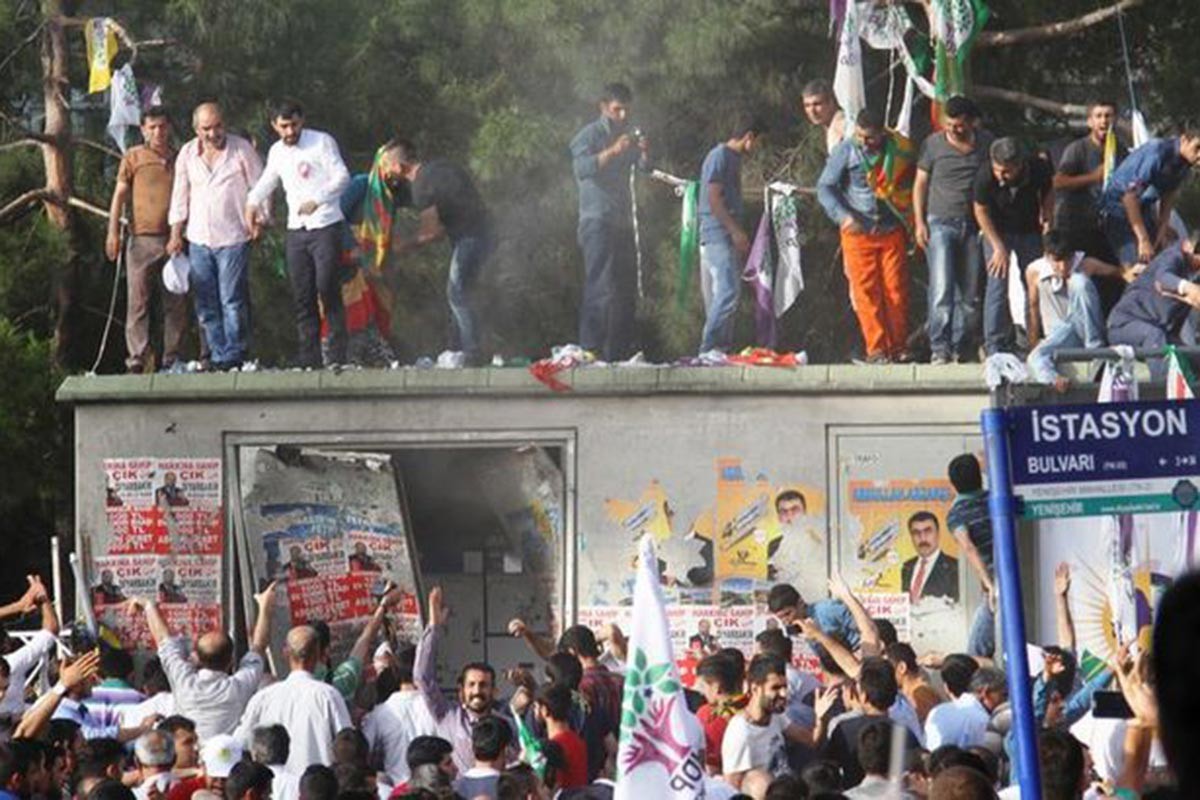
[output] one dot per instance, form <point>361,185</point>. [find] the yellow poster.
<point>101,48</point>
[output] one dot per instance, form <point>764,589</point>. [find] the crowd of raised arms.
<point>1025,256</point>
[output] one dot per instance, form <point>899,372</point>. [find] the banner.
<point>125,109</point>
<point>848,86</point>
<point>661,749</point>
<point>101,47</point>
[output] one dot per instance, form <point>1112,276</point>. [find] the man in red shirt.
<point>719,679</point>
<point>552,707</point>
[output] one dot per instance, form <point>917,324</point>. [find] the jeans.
<point>955,272</point>
<point>1120,234</point>
<point>608,312</point>
<point>466,261</point>
<point>1137,333</point>
<point>998,333</point>
<point>981,640</point>
<point>312,259</point>
<point>222,289</point>
<point>1083,327</point>
<point>719,261</point>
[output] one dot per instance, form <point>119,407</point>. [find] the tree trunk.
<point>56,156</point>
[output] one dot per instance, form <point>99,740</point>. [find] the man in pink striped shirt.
<point>213,175</point>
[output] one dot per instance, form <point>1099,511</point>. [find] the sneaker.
<point>939,359</point>
<point>903,357</point>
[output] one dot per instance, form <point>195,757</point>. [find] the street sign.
<point>1111,458</point>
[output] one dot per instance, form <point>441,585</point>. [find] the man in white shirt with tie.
<point>931,572</point>
<point>312,711</point>
<point>310,167</point>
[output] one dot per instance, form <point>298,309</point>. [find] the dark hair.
<point>877,682</point>
<point>923,516</point>
<point>737,657</point>
<point>19,757</point>
<point>774,642</point>
<point>98,755</point>
<point>324,635</point>
<point>958,107</point>
<point>965,474</point>
<point>318,783</point>
<point>270,744</point>
<point>875,747</point>
<point>427,750</point>
<point>764,666</point>
<point>1103,102</point>
<point>949,756</point>
<point>886,630</point>
<point>822,777</point>
<point>556,700</point>
<point>721,670</point>
<point>902,653</point>
<point>616,91</point>
<point>156,112</point>
<point>289,109</point>
<point>154,678</point>
<point>781,596</point>
<point>961,783</point>
<point>385,684</point>
<point>62,733</point>
<point>556,762</point>
<point>790,494</point>
<point>957,671</point>
<point>115,662</point>
<point>351,747</point>
<point>1177,679</point>
<point>580,639</point>
<point>406,658</point>
<point>991,761</point>
<point>476,666</point>
<point>870,119</point>
<point>564,669</point>
<point>829,664</point>
<point>175,723</point>
<point>817,87</point>
<point>246,776</point>
<point>350,778</point>
<point>785,787</point>
<point>1061,759</point>
<point>747,122</point>
<point>490,735</point>
<point>517,783</point>
<point>108,789</point>
<point>1056,244</point>
<point>695,638</point>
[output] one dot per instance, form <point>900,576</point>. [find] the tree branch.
<point>1053,30</point>
<point>1032,101</point>
<point>103,148</point>
<point>21,202</point>
<point>27,141</point>
<point>28,40</point>
<point>86,206</point>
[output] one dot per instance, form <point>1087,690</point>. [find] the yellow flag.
<point>1110,154</point>
<point>101,47</point>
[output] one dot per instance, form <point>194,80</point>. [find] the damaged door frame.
<point>565,439</point>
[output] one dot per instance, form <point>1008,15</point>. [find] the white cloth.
<point>310,170</point>
<point>848,85</point>
<point>313,712</point>
<point>284,785</point>
<point>876,786</point>
<point>162,704</point>
<point>125,105</point>
<point>20,664</point>
<point>161,783</point>
<point>747,746</point>
<point>394,723</point>
<point>213,700</point>
<point>963,722</point>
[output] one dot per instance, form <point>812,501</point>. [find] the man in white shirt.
<point>931,572</point>
<point>312,712</point>
<point>269,746</point>
<point>399,719</point>
<point>17,665</point>
<point>756,738</point>
<point>964,722</point>
<point>310,167</point>
<point>205,692</point>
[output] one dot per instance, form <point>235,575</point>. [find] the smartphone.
<point>1110,705</point>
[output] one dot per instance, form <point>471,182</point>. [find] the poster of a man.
<point>170,494</point>
<point>931,572</point>
<point>362,561</point>
<point>107,592</point>
<point>298,566</point>
<point>169,591</point>
<point>708,641</point>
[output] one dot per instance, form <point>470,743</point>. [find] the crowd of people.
<point>1094,253</point>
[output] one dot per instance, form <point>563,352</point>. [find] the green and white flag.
<point>954,25</point>
<point>661,749</point>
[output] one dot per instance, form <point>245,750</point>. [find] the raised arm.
<point>868,632</point>
<point>37,719</point>
<point>841,654</point>
<point>973,558</point>
<point>265,600</point>
<point>540,646</point>
<point>22,605</point>
<point>425,664</point>
<point>154,618</point>
<point>1062,607</point>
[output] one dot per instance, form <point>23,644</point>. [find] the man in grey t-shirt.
<point>945,228</point>
<point>1079,181</point>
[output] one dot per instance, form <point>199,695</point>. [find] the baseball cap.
<point>220,754</point>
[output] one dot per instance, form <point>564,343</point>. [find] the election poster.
<point>163,541</point>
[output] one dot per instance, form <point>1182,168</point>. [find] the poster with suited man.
<point>931,572</point>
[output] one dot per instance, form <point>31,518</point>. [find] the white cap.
<point>220,754</point>
<point>175,273</point>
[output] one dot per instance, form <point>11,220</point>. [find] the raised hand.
<point>439,612</point>
<point>1062,579</point>
<point>81,669</point>
<point>517,628</point>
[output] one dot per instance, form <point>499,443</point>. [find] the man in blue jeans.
<point>602,154</point>
<point>724,244</point>
<point>451,208</point>
<point>944,226</point>
<point>1014,203</point>
<point>1135,209</point>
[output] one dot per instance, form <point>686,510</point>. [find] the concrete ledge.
<point>296,385</point>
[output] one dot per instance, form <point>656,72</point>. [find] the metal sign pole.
<point>1001,505</point>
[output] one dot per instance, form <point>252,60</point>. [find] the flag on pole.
<point>661,750</point>
<point>1179,387</point>
<point>531,748</point>
<point>954,24</point>
<point>1110,155</point>
<point>848,86</point>
<point>125,105</point>
<point>1179,377</point>
<point>689,239</point>
<point>101,47</point>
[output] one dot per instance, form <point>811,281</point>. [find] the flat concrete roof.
<point>508,381</point>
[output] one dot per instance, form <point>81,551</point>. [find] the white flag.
<point>125,105</point>
<point>661,752</point>
<point>848,84</point>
